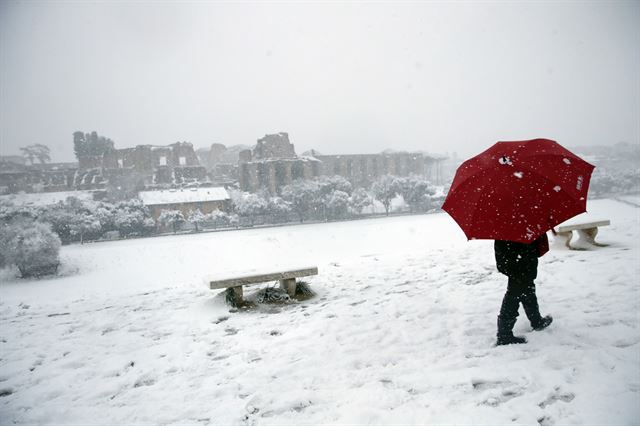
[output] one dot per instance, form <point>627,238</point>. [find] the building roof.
<point>185,195</point>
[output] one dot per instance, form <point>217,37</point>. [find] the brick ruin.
<point>52,177</point>
<point>144,166</point>
<point>274,146</point>
<point>270,165</point>
<point>273,164</point>
<point>131,169</point>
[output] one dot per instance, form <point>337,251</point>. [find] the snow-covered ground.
<point>45,198</point>
<point>401,331</point>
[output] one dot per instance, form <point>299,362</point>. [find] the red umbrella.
<point>517,191</point>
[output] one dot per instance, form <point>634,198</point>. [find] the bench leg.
<point>589,236</point>
<point>289,285</point>
<point>237,295</point>
<point>564,238</point>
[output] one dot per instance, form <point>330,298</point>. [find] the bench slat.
<point>576,226</point>
<point>262,278</point>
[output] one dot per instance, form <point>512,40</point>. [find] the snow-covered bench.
<point>587,232</point>
<point>287,280</point>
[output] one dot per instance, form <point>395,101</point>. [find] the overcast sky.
<point>338,77</point>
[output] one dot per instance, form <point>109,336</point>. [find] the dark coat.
<point>517,260</point>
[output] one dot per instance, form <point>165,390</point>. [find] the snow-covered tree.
<point>84,223</point>
<point>329,184</point>
<point>219,219</point>
<point>278,208</point>
<point>173,218</point>
<point>304,198</point>
<point>326,186</point>
<point>9,226</point>
<point>234,220</point>
<point>90,144</point>
<point>384,190</point>
<point>33,247</point>
<point>106,213</point>
<point>196,217</point>
<point>359,200</point>
<point>131,218</point>
<point>337,204</point>
<point>9,211</point>
<point>60,217</point>
<point>416,192</point>
<point>249,206</point>
<point>36,151</point>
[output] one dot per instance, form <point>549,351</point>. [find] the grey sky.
<point>339,77</point>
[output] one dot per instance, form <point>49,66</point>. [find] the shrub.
<point>173,218</point>
<point>33,247</point>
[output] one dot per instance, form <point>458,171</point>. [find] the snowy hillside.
<point>401,331</point>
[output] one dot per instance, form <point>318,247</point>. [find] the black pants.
<point>520,291</point>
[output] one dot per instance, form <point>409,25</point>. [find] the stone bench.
<point>287,280</point>
<point>587,232</point>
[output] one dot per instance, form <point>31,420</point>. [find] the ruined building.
<point>270,165</point>
<point>274,146</point>
<point>143,166</point>
<point>51,177</point>
<point>273,164</point>
<point>221,162</point>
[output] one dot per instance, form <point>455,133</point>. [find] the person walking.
<point>519,262</point>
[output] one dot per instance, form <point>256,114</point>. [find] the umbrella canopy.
<point>517,191</point>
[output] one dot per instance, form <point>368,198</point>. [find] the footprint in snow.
<point>481,384</point>
<point>546,421</point>
<point>557,396</point>
<point>504,396</point>
<point>625,343</point>
<point>144,380</point>
<point>231,331</point>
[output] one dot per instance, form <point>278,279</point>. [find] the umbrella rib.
<point>546,179</point>
<point>571,156</point>
<point>472,176</point>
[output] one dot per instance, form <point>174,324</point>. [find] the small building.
<point>185,200</point>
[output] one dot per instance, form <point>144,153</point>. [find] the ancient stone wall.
<point>216,154</point>
<point>274,147</point>
<point>363,169</point>
<point>273,175</point>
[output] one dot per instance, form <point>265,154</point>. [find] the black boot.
<point>544,323</point>
<point>505,332</point>
<point>530,305</point>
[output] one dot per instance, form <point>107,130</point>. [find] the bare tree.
<point>36,151</point>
